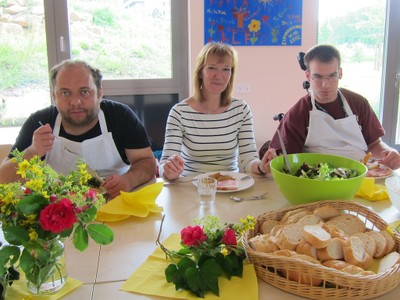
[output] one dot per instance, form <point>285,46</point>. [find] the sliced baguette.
<point>326,212</point>
<point>380,242</point>
<point>368,241</point>
<point>334,250</point>
<point>303,278</point>
<point>309,220</point>
<point>388,261</point>
<point>354,251</point>
<point>390,242</point>
<point>268,225</point>
<point>316,236</point>
<point>290,236</point>
<point>347,223</point>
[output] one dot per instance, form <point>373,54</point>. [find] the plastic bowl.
<point>303,190</point>
<point>393,189</point>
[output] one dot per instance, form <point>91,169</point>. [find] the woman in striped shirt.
<point>212,131</point>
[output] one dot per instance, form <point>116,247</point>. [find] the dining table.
<point>104,269</point>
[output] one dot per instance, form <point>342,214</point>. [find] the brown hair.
<point>220,50</point>
<point>96,74</point>
<point>323,53</point>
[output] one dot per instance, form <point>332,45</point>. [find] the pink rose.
<point>229,237</point>
<point>193,236</point>
<point>57,217</point>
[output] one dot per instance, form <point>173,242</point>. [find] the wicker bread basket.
<point>335,284</point>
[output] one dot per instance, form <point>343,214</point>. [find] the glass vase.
<point>49,273</point>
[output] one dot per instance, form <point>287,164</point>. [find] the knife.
<point>284,151</point>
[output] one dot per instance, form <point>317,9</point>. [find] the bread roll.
<point>316,236</point>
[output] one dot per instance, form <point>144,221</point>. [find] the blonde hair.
<point>220,50</point>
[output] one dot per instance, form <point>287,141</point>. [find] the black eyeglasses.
<point>330,78</point>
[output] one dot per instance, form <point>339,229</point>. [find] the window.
<point>140,46</point>
<point>367,35</point>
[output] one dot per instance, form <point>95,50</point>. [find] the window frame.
<point>58,49</point>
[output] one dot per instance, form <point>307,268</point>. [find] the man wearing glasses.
<point>330,119</point>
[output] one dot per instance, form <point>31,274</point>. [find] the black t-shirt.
<point>127,130</point>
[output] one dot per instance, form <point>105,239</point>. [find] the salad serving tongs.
<point>285,157</point>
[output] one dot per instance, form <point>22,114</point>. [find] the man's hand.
<point>43,139</point>
<point>116,183</point>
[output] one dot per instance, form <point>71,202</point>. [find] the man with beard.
<point>81,124</point>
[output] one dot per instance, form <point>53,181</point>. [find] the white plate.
<point>243,184</point>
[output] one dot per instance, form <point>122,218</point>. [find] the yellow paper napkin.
<point>138,203</point>
<point>19,290</point>
<point>149,279</point>
<point>371,191</point>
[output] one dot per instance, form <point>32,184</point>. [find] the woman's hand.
<point>263,167</point>
<point>173,167</point>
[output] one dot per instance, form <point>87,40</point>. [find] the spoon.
<point>240,199</point>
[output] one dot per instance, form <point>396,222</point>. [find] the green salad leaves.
<point>323,171</point>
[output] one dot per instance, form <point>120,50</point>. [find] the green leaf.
<point>88,215</point>
<point>32,204</point>
<point>15,235</point>
<point>66,233</point>
<point>233,265</point>
<point>209,273</point>
<point>9,255</point>
<point>80,238</point>
<point>100,233</point>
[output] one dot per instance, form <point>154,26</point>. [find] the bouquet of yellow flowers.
<point>209,250</point>
<point>47,207</point>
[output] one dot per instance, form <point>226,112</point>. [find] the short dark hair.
<point>323,53</point>
<point>96,74</point>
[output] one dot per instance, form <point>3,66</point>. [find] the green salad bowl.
<point>303,190</point>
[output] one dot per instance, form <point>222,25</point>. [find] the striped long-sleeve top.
<point>211,142</point>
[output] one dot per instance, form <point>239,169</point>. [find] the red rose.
<point>91,194</point>
<point>193,236</point>
<point>57,217</point>
<point>229,237</point>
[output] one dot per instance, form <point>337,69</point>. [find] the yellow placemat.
<point>371,191</point>
<point>149,279</point>
<point>139,203</point>
<point>19,290</point>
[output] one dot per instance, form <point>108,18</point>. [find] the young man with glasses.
<point>330,119</point>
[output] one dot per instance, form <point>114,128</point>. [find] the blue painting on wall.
<point>253,22</point>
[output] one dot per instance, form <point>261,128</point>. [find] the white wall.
<point>272,72</point>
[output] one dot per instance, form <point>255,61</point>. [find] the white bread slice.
<point>368,241</point>
<point>263,243</point>
<point>334,250</point>
<point>296,217</point>
<point>309,220</point>
<point>316,236</point>
<point>326,212</point>
<point>388,261</point>
<point>380,241</point>
<point>290,236</point>
<point>290,213</point>
<point>335,232</point>
<point>354,251</point>
<point>303,278</point>
<point>390,242</point>
<point>267,226</point>
<point>352,269</point>
<point>306,248</point>
<point>347,223</point>
<point>367,261</point>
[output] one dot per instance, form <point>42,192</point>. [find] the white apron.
<point>100,153</point>
<point>339,137</point>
